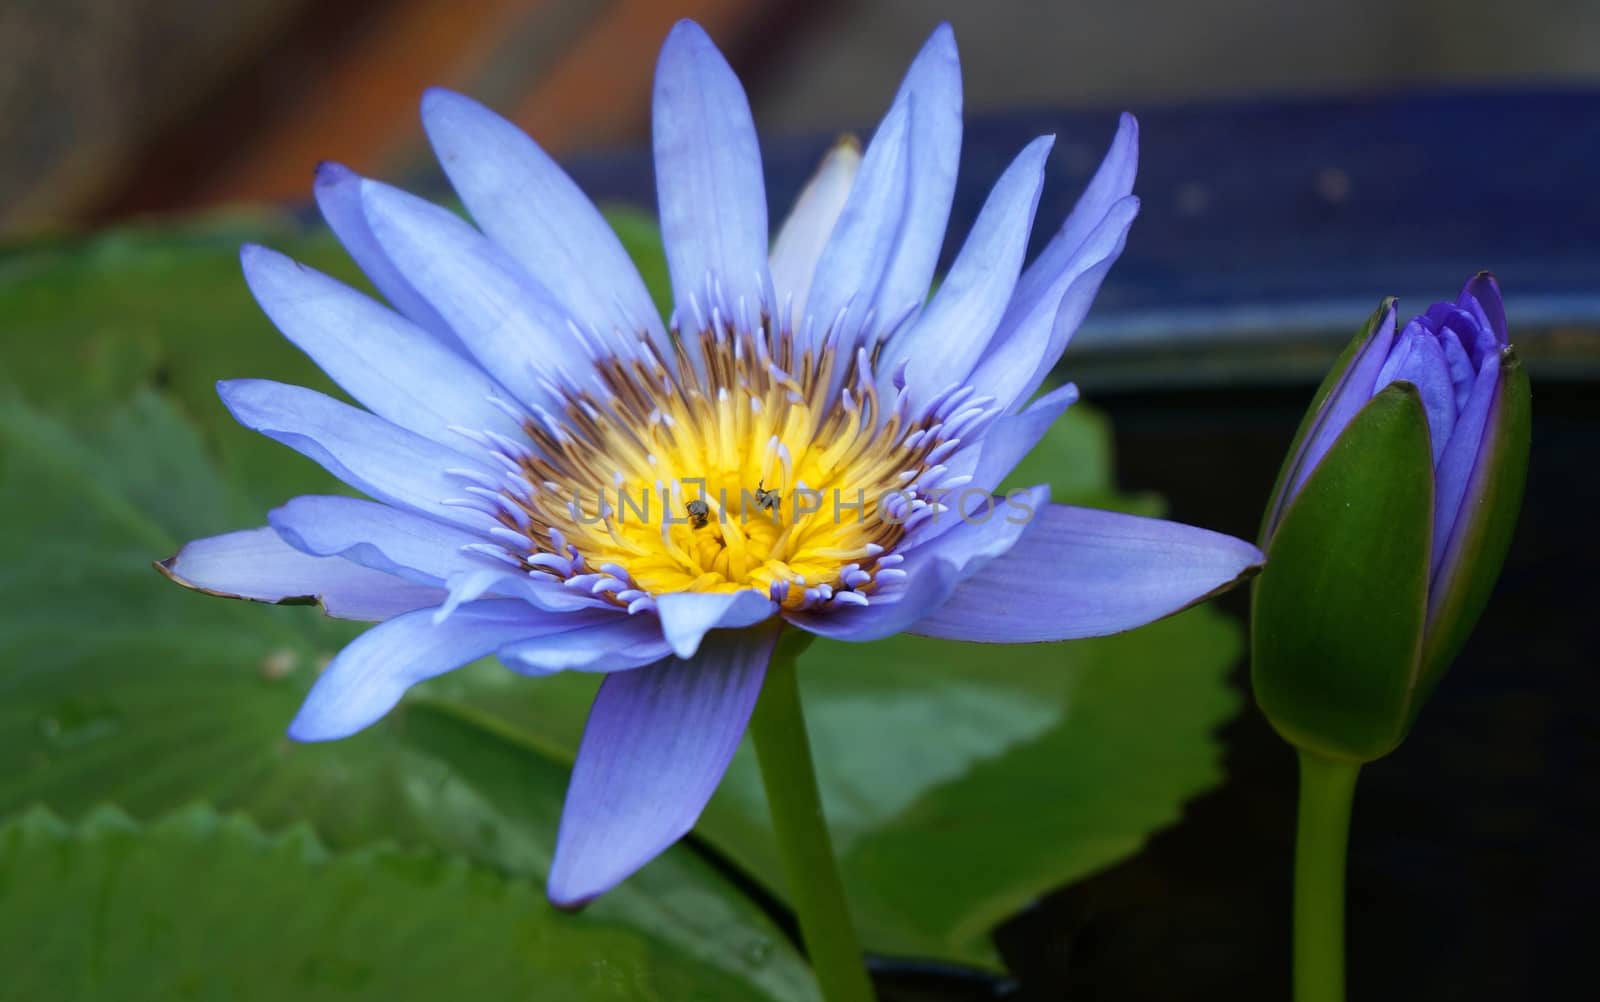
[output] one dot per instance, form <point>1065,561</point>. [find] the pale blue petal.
<point>529,206</point>
<point>686,616</point>
<point>377,536</point>
<point>417,549</point>
<point>338,192</point>
<point>366,452</point>
<point>1021,356</point>
<point>889,612</point>
<point>256,564</point>
<point>857,254</point>
<point>657,744</point>
<point>471,585</point>
<point>600,642</point>
<point>1112,182</point>
<point>394,368</point>
<point>509,323</point>
<point>369,676</point>
<point>1081,572</point>
<point>709,186</point>
<point>947,340</point>
<point>1012,437</point>
<point>887,272</point>
<point>933,84</point>
<point>799,243</point>
<point>934,568</point>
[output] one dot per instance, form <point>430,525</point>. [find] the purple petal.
<point>1454,336</point>
<point>686,616</point>
<point>709,186</point>
<point>1483,292</point>
<point>946,341</point>
<point>1112,182</point>
<point>1495,457</point>
<point>509,323</point>
<point>933,571</point>
<point>1468,323</point>
<point>1418,359</point>
<point>257,565</point>
<point>394,368</point>
<point>529,206</point>
<point>614,641</point>
<point>888,271</point>
<point>338,191</point>
<point>366,452</point>
<point>1087,573</point>
<point>1460,456</point>
<point>1355,388</point>
<point>656,745</point>
<point>799,243</point>
<point>370,675</point>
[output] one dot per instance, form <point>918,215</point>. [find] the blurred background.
<point>112,108</point>
<point>1299,161</point>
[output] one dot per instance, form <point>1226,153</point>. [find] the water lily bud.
<point>1389,523</point>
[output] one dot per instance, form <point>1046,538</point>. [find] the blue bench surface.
<point>1270,229</point>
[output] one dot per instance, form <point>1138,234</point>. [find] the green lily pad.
<point>200,906</point>
<point>118,686</point>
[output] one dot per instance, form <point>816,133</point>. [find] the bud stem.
<point>1327,789</point>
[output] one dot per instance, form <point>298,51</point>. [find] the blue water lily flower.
<point>561,479</point>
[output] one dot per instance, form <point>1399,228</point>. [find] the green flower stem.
<point>1327,789</point>
<point>815,890</point>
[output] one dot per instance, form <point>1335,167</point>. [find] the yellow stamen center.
<point>741,464</point>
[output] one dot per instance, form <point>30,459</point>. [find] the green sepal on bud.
<point>1340,612</point>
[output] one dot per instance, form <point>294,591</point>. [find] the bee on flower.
<point>699,512</point>
<point>767,500</point>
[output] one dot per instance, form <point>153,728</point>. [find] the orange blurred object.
<point>306,82</point>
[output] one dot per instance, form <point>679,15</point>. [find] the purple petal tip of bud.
<point>1485,290</point>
